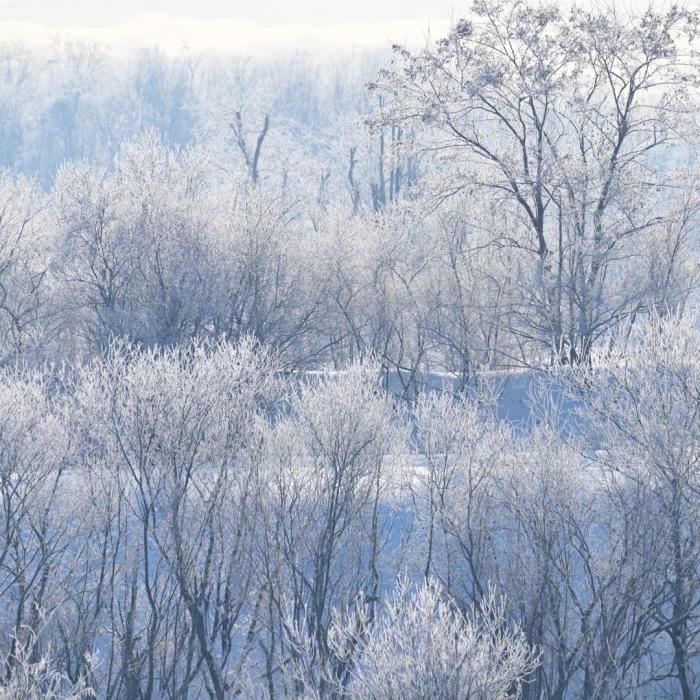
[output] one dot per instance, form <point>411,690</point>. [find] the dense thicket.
<point>264,337</point>
<point>189,522</point>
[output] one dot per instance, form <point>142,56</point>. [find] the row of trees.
<point>528,185</point>
<point>185,523</point>
<point>73,100</point>
<point>163,251</point>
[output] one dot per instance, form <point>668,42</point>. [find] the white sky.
<point>239,26</point>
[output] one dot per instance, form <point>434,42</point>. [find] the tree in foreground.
<point>422,646</point>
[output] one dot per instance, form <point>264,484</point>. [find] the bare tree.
<point>569,122</point>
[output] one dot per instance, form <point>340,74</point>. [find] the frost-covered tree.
<point>329,469</point>
<point>165,436</point>
<point>25,307</point>
<point>640,403</point>
<point>421,645</point>
<point>572,123</point>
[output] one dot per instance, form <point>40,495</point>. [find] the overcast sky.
<point>234,26</point>
<point>240,26</point>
